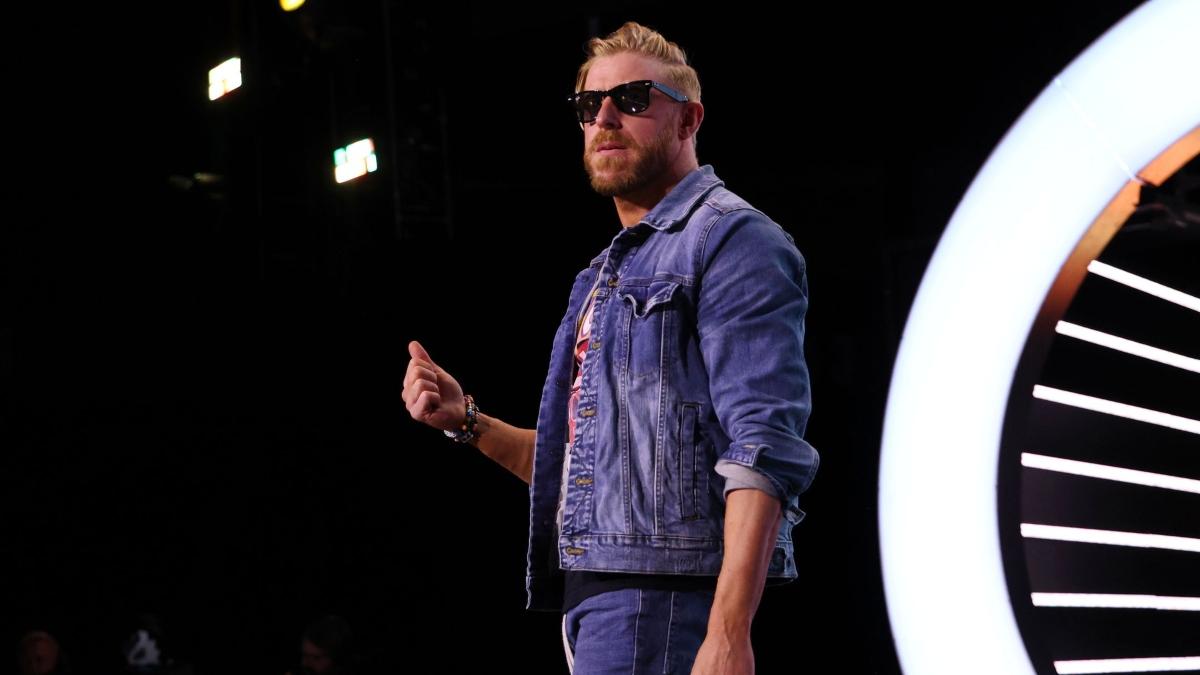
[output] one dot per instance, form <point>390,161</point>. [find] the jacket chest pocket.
<point>650,320</point>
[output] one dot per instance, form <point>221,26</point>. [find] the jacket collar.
<point>682,198</point>
<point>678,204</point>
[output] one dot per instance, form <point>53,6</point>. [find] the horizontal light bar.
<point>1116,601</point>
<point>1145,285</point>
<point>1103,471</point>
<point>1118,409</point>
<point>1110,537</point>
<point>1128,346</point>
<point>1154,665</point>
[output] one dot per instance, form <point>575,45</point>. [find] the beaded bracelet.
<point>468,432</point>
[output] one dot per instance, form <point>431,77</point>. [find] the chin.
<point>608,183</point>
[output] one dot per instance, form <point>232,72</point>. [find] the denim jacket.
<point>695,363</point>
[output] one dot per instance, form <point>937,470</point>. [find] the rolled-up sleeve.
<point>753,295</point>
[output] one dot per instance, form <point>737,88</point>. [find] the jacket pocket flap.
<point>645,298</point>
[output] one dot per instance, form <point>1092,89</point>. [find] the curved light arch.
<point>1077,147</point>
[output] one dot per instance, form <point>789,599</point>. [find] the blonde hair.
<point>636,38</point>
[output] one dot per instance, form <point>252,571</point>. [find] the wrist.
<point>730,624</point>
<point>469,430</point>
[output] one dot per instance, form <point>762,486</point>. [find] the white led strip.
<point>1117,106</point>
<point>1110,537</point>
<point>1154,665</point>
<point>1116,601</point>
<point>1128,346</point>
<point>1113,473</point>
<point>1145,285</point>
<point>1107,407</point>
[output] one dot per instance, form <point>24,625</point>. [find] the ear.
<point>690,119</point>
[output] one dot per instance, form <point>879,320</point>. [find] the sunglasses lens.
<point>587,104</point>
<point>632,98</point>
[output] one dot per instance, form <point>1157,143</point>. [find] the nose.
<point>608,116</point>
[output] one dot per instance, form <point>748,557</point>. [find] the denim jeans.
<point>636,632</point>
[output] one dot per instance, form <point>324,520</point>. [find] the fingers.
<point>422,399</point>
<point>421,394</point>
<point>417,371</point>
<point>427,403</point>
<point>413,386</point>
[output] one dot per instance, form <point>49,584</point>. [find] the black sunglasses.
<point>630,98</point>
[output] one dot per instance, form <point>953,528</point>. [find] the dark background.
<point>201,405</point>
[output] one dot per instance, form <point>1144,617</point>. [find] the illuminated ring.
<point>1083,140</point>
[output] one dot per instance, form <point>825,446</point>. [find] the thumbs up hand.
<point>431,395</point>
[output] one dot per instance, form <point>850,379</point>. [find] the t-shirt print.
<point>582,338</point>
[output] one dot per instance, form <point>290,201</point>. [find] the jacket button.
<point>583,480</point>
<point>572,550</point>
<point>595,344</point>
<point>587,412</point>
<point>612,282</point>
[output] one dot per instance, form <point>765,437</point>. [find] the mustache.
<point>611,137</point>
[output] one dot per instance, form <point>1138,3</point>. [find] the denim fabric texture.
<point>636,631</point>
<point>695,367</point>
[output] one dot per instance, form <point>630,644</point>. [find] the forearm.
<point>752,519</point>
<point>510,447</point>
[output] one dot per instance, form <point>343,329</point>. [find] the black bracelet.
<point>468,432</point>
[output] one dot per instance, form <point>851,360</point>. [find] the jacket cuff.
<point>738,476</point>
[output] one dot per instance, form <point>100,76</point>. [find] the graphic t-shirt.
<point>583,335</point>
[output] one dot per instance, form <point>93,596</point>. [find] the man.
<point>668,449</point>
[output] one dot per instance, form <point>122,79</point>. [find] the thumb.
<point>416,351</point>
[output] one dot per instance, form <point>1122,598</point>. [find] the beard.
<point>637,168</point>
